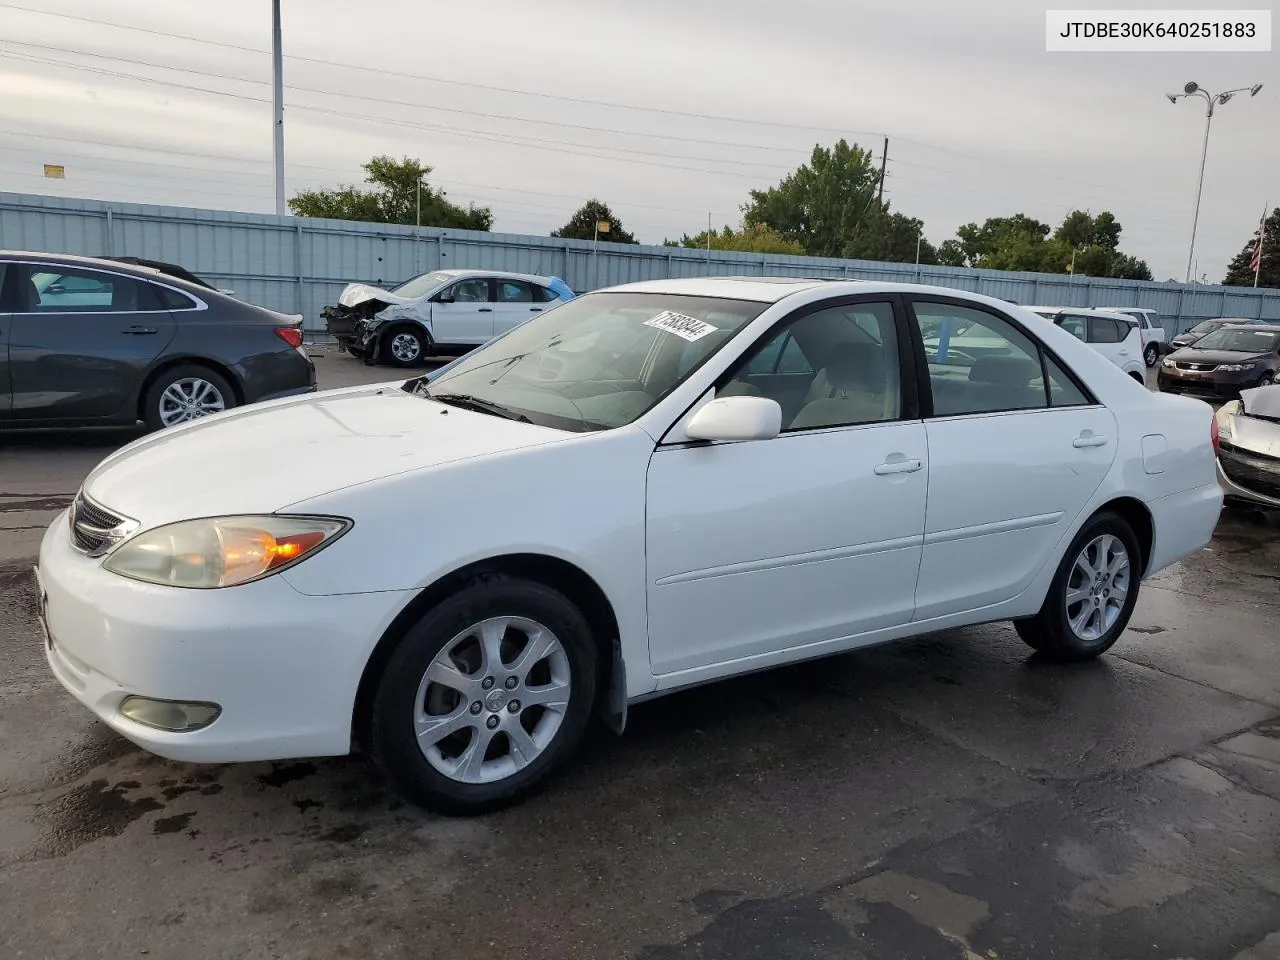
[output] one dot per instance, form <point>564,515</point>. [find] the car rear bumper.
<point>1184,523</point>
<point>283,667</point>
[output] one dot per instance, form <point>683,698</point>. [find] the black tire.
<point>1266,379</point>
<point>154,415</point>
<point>415,341</point>
<point>1151,355</point>
<point>392,742</point>
<point>1049,631</point>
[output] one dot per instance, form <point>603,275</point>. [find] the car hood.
<point>261,458</point>
<point>1262,402</point>
<point>354,294</point>
<point>1217,356</point>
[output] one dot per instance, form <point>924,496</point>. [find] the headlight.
<point>1225,416</point>
<point>1166,362</point>
<point>1231,367</point>
<point>222,551</point>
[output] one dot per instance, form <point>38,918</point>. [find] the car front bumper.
<point>1247,476</point>
<point>284,668</point>
<point>1209,386</point>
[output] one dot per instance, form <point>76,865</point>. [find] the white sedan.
<point>646,488</point>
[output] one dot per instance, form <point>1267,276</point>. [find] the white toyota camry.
<point>647,487</point>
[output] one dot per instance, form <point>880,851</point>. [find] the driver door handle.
<point>1088,440</point>
<point>138,330</point>
<point>535,309</point>
<point>485,310</point>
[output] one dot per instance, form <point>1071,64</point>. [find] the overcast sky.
<point>982,121</point>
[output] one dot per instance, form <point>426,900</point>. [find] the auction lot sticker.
<point>687,328</point>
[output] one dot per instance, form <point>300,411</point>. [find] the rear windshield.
<point>598,361</point>
<point>1240,341</point>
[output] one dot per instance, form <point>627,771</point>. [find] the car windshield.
<point>1240,341</point>
<point>596,362</point>
<point>423,284</point>
<point>1206,326</point>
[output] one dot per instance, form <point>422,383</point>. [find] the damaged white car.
<point>442,312</point>
<point>1248,432</point>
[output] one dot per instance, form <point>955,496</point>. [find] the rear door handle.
<point>139,331</point>
<point>485,310</point>
<point>1089,441</point>
<point>535,309</point>
<point>898,466</point>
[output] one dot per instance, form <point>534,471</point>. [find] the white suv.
<point>1152,331</point>
<point>1114,335</point>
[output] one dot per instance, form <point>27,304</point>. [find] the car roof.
<point>138,270</point>
<point>1258,325</point>
<point>1134,309</point>
<point>1086,311</point>
<point>497,274</point>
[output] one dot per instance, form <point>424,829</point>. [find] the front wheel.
<point>1267,379</point>
<point>405,346</point>
<point>1151,354</point>
<point>484,697</point>
<point>1092,595</point>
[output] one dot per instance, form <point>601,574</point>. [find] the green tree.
<point>582,225</point>
<point>393,199</point>
<point>890,238</point>
<point>748,238</point>
<point>1240,271</point>
<point>824,203</point>
<point>1082,244</point>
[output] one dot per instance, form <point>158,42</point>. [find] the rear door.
<point>1108,336</point>
<point>515,301</point>
<point>80,340</point>
<point>6,321</point>
<point>463,312</point>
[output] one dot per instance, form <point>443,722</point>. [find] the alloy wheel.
<point>406,347</point>
<point>189,399</point>
<point>1097,587</point>
<point>492,700</point>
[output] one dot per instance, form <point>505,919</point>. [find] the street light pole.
<point>1211,100</point>
<point>277,73</point>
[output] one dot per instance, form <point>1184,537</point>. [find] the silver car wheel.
<point>492,700</point>
<point>189,399</point>
<point>406,347</point>
<point>1098,587</point>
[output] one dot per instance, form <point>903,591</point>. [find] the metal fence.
<point>298,264</point>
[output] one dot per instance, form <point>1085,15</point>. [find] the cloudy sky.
<point>669,110</point>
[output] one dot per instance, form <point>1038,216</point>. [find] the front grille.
<point>93,528</point>
<point>1251,471</point>
<point>1202,367</point>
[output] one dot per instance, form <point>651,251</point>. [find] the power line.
<point>457,83</point>
<point>407,103</point>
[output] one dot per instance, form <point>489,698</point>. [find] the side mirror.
<point>736,418</point>
<point>442,299</point>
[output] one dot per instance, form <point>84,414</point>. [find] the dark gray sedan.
<point>99,342</point>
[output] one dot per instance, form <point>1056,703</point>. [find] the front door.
<point>463,312</point>
<point>80,340</point>
<point>759,550</point>
<point>1016,449</point>
<point>6,322</point>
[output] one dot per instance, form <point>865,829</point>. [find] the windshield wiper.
<point>480,405</point>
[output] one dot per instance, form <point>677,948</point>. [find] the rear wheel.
<point>185,393</point>
<point>1266,379</point>
<point>1092,595</point>
<point>484,697</point>
<point>1151,354</point>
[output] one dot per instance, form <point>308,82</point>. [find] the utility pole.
<point>277,71</point>
<point>884,159</point>
<point>708,235</point>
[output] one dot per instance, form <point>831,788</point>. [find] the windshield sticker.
<point>686,328</point>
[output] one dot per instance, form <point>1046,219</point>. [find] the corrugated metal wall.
<point>298,265</point>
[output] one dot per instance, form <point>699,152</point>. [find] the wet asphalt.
<point>948,797</point>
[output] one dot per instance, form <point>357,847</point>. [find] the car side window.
<point>1076,326</point>
<point>543,295</point>
<point>57,289</point>
<point>1063,391</point>
<point>170,299</point>
<point>474,290</point>
<point>1106,330</point>
<point>514,291</point>
<point>979,362</point>
<point>834,367</point>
